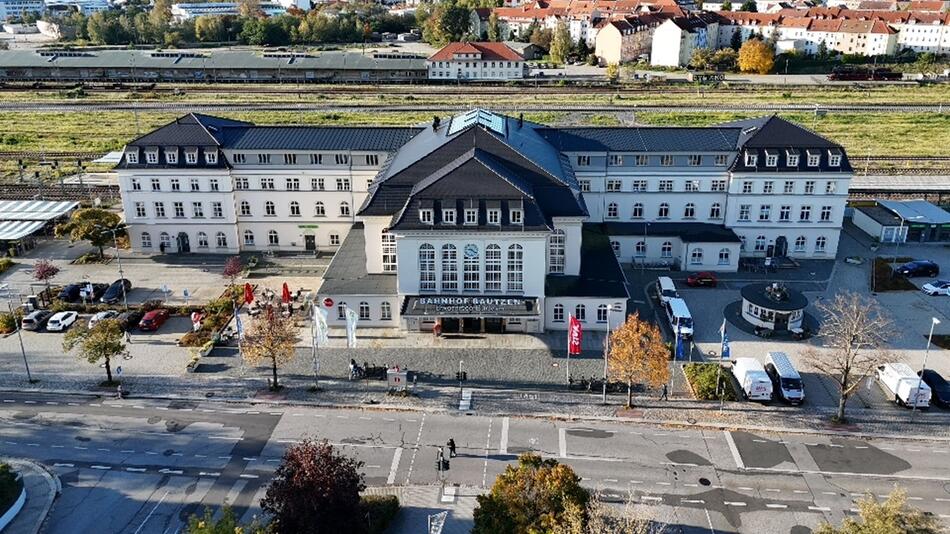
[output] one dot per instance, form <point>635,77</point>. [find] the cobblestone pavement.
<point>418,503</point>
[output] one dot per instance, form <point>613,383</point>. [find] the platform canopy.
<point>13,230</point>
<point>20,218</point>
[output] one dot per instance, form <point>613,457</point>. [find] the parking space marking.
<point>734,450</point>
<point>503,444</point>
<point>772,505</point>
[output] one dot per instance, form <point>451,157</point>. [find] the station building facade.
<point>483,222</point>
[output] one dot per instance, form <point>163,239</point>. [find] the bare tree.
<point>601,517</point>
<point>855,331</point>
<point>271,338</point>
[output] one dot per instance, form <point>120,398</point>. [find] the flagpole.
<point>313,345</point>
<point>570,318</point>
<point>722,351</point>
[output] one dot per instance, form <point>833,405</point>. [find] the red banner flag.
<point>248,294</point>
<point>574,334</point>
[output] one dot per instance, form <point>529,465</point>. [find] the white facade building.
<point>476,61</point>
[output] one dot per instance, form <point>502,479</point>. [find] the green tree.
<point>727,6</point>
<point>542,38</point>
<point>101,342</point>
<point>209,29</point>
<point>537,495</point>
<point>612,72</point>
<point>560,43</point>
<point>701,59</point>
<point>822,50</point>
<point>447,23</point>
<point>757,57</point>
<point>749,5</point>
<point>249,8</point>
<point>735,42</point>
<point>892,516</point>
<point>494,28</point>
<point>160,16</point>
<point>725,59</point>
<point>90,224</point>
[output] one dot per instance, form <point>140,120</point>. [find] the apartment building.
<point>475,61</point>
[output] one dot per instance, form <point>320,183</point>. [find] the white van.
<point>680,319</point>
<point>665,289</point>
<point>902,383</point>
<point>755,383</point>
<point>786,382</point>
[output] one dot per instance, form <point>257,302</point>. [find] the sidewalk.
<point>42,488</point>
<point>417,503</point>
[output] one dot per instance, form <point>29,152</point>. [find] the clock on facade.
<point>471,251</point>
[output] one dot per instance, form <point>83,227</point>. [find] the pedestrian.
<point>128,337</point>
<point>664,395</point>
<point>451,446</point>
<point>118,392</point>
<point>352,368</point>
<point>161,247</point>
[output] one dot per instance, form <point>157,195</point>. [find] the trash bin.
<point>397,379</point>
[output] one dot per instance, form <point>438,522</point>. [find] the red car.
<point>153,320</point>
<point>704,278</point>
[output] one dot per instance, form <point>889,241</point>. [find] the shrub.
<point>5,264</point>
<point>9,487</point>
<point>379,511</point>
<point>702,378</point>
<point>150,305</point>
<point>220,306</point>
<point>7,322</point>
<point>195,339</point>
<point>886,280</point>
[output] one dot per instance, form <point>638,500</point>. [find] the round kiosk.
<point>773,306</point>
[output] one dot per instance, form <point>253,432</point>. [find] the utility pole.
<point>19,326</point>
<point>118,260</point>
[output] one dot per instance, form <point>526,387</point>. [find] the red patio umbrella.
<point>248,294</point>
<point>285,295</point>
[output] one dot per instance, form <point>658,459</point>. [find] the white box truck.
<point>902,384</point>
<point>754,381</point>
<point>786,382</point>
<point>665,289</point>
<point>680,319</point>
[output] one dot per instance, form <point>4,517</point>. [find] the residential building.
<point>626,39</point>
<point>191,10</point>
<point>475,61</point>
<point>675,40</point>
<point>10,9</point>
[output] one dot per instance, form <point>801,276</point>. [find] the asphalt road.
<point>143,466</point>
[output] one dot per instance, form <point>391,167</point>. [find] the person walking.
<point>451,446</point>
<point>352,368</point>
<point>118,392</point>
<point>664,395</point>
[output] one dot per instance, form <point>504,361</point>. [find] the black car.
<point>918,268</point>
<point>939,387</point>
<point>115,291</point>
<point>130,319</point>
<point>70,293</point>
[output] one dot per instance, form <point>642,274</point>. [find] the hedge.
<point>886,280</point>
<point>10,488</point>
<point>378,511</point>
<point>702,378</point>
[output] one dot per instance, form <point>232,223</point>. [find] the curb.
<point>53,483</point>
<point>536,415</point>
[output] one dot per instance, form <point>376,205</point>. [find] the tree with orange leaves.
<point>638,354</point>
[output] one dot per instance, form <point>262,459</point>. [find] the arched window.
<point>389,252</point>
<point>319,210</point>
<point>821,244</point>
<point>760,243</point>
<point>664,211</point>
<point>344,209</point>
<point>364,311</point>
<point>556,252</point>
<point>515,269</point>
<point>612,210</point>
<point>800,243</point>
<point>715,211</point>
<point>492,268</point>
<point>165,239</point>
<point>385,311</point>
<point>580,312</point>
<point>202,240</point>
<point>696,257</point>
<point>602,313</point>
<point>689,211</point>
<point>272,238</point>
<point>667,250</point>
<point>146,240</point>
<point>615,245</point>
<point>724,256</point>
<point>641,249</point>
<point>450,268</point>
<point>341,311</point>
<point>221,240</point>
<point>637,211</point>
<point>426,267</point>
<point>269,209</point>
<point>245,208</point>
<point>248,238</point>
<point>558,313</point>
<point>471,268</point>
<point>294,208</point>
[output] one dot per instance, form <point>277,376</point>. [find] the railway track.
<point>12,191</point>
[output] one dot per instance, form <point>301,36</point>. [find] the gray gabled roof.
<point>642,139</point>
<point>773,131</point>
<point>368,138</point>
<point>193,129</point>
<point>346,274</point>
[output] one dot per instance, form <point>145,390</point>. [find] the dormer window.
<point>171,156</point>
<point>751,159</point>
<point>448,216</point>
<point>132,156</point>
<point>517,216</point>
<point>494,216</point>
<point>191,156</point>
<point>151,156</point>
<point>471,216</point>
<point>771,159</point>
<point>834,158</point>
<point>211,157</point>
<point>813,158</point>
<point>791,158</point>
<point>583,161</point>
<point>425,216</point>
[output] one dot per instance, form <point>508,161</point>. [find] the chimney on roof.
<point>435,122</point>
<point>520,120</point>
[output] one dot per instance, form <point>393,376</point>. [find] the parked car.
<point>36,319</point>
<point>680,319</point>
<point>102,316</point>
<point>786,381</point>
<point>939,387</point>
<point>97,291</point>
<point>61,321</point>
<point>937,287</point>
<point>130,319</point>
<point>115,291</point>
<point>903,385</point>
<point>70,293</point>
<point>153,320</point>
<point>703,279</point>
<point>755,382</point>
<point>918,268</point>
<point>665,289</point>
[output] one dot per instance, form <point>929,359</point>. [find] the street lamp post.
<point>118,260</point>
<point>611,308</point>
<point>19,326</point>
<point>933,322</point>
<point>900,230</point>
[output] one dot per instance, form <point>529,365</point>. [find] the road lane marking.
<point>745,488</point>
<point>610,480</point>
<point>846,474</point>
<point>941,499</point>
<point>8,400</point>
<point>249,459</point>
<point>29,402</point>
<point>709,521</point>
<point>915,498</point>
<point>663,484</point>
<point>693,501</point>
<point>819,508</point>
<point>760,441</point>
<point>650,498</point>
<point>245,475</point>
<point>127,451</point>
<point>828,493</point>
<point>734,450</point>
<point>253,413</point>
<point>152,512</point>
<point>799,491</point>
<point>100,467</point>
<point>776,490</point>
<point>389,419</point>
<point>366,418</point>
<point>63,465</point>
<point>691,485</point>
<point>224,457</point>
<point>135,469</point>
<point>205,474</point>
<point>81,448</point>
<point>103,450</point>
<point>151,453</point>
<point>636,482</point>
<point>296,415</point>
<point>503,445</point>
<point>734,503</point>
<point>412,460</point>
<point>861,447</point>
<point>342,417</point>
<point>167,471</point>
<point>487,448</point>
<point>562,442</point>
<point>224,437</point>
<point>769,505</point>
<point>72,404</point>
<point>51,403</point>
<point>57,446</point>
